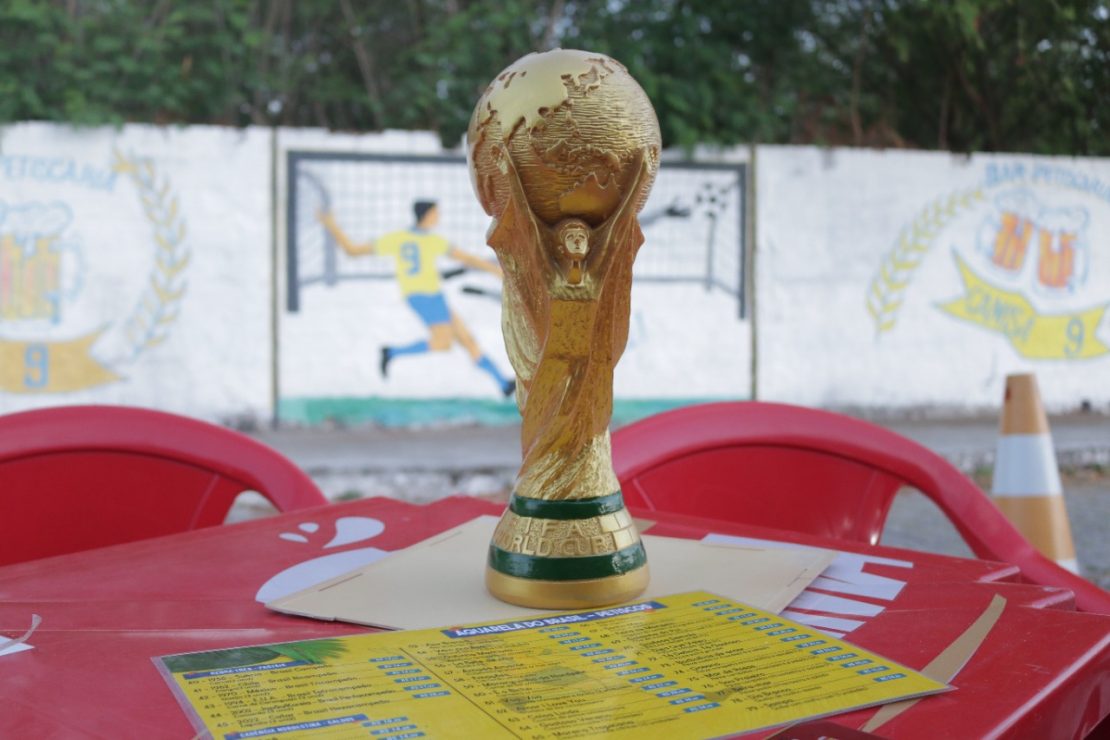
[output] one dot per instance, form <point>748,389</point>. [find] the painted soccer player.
<point>415,252</point>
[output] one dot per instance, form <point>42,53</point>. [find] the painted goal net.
<point>693,222</point>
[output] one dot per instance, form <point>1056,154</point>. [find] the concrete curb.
<point>1080,441</point>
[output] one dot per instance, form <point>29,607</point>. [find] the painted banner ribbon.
<point>51,367</point>
<point>1035,335</point>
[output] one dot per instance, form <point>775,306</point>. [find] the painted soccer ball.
<point>572,122</point>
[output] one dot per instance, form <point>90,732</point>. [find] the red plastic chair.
<point>815,472</point>
<point>79,477</point>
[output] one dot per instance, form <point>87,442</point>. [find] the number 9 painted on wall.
<point>36,366</point>
<point>410,253</point>
<point>1076,332</point>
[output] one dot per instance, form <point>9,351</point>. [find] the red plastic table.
<point>1042,672</point>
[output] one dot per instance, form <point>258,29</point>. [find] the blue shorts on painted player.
<point>415,252</point>
<point>432,310</point>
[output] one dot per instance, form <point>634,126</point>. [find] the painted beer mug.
<point>1013,230</point>
<point>1053,238</point>
<point>563,149</point>
<point>1061,248</point>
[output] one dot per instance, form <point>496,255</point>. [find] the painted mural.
<point>141,266</point>
<point>49,341</point>
<point>388,276</point>
<point>415,253</point>
<point>119,254</point>
<point>1024,264</point>
<point>918,280</point>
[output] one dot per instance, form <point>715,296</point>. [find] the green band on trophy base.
<point>582,508</point>
<point>567,569</point>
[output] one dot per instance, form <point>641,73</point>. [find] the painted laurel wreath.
<point>884,296</point>
<point>159,306</point>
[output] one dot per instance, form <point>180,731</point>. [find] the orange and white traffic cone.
<point>1026,480</point>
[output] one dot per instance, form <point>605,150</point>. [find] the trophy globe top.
<point>573,123</point>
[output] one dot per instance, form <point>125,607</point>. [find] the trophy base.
<point>579,594</point>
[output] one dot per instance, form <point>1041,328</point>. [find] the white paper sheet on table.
<point>440,581</point>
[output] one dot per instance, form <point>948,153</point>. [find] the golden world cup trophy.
<point>563,149</point>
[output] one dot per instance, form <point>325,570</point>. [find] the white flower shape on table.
<point>347,530</point>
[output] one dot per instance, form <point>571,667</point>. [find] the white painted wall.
<point>876,280</point>
<point>829,221</point>
<point>202,346</point>
<point>81,323</point>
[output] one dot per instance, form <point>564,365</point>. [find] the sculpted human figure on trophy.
<point>573,235</point>
<point>576,318</point>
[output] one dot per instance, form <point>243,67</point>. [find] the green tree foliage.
<point>993,75</point>
<point>113,60</point>
<point>960,74</point>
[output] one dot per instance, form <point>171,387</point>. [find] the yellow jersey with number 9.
<point>414,253</point>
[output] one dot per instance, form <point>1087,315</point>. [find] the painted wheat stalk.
<point>885,294</point>
<point>159,305</point>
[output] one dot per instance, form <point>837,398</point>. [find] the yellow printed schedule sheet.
<point>691,666</point>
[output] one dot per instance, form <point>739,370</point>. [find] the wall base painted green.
<point>409,412</point>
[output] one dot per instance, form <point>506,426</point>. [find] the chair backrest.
<point>78,477</point>
<point>812,471</point>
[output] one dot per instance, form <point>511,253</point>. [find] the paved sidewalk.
<point>1080,441</point>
